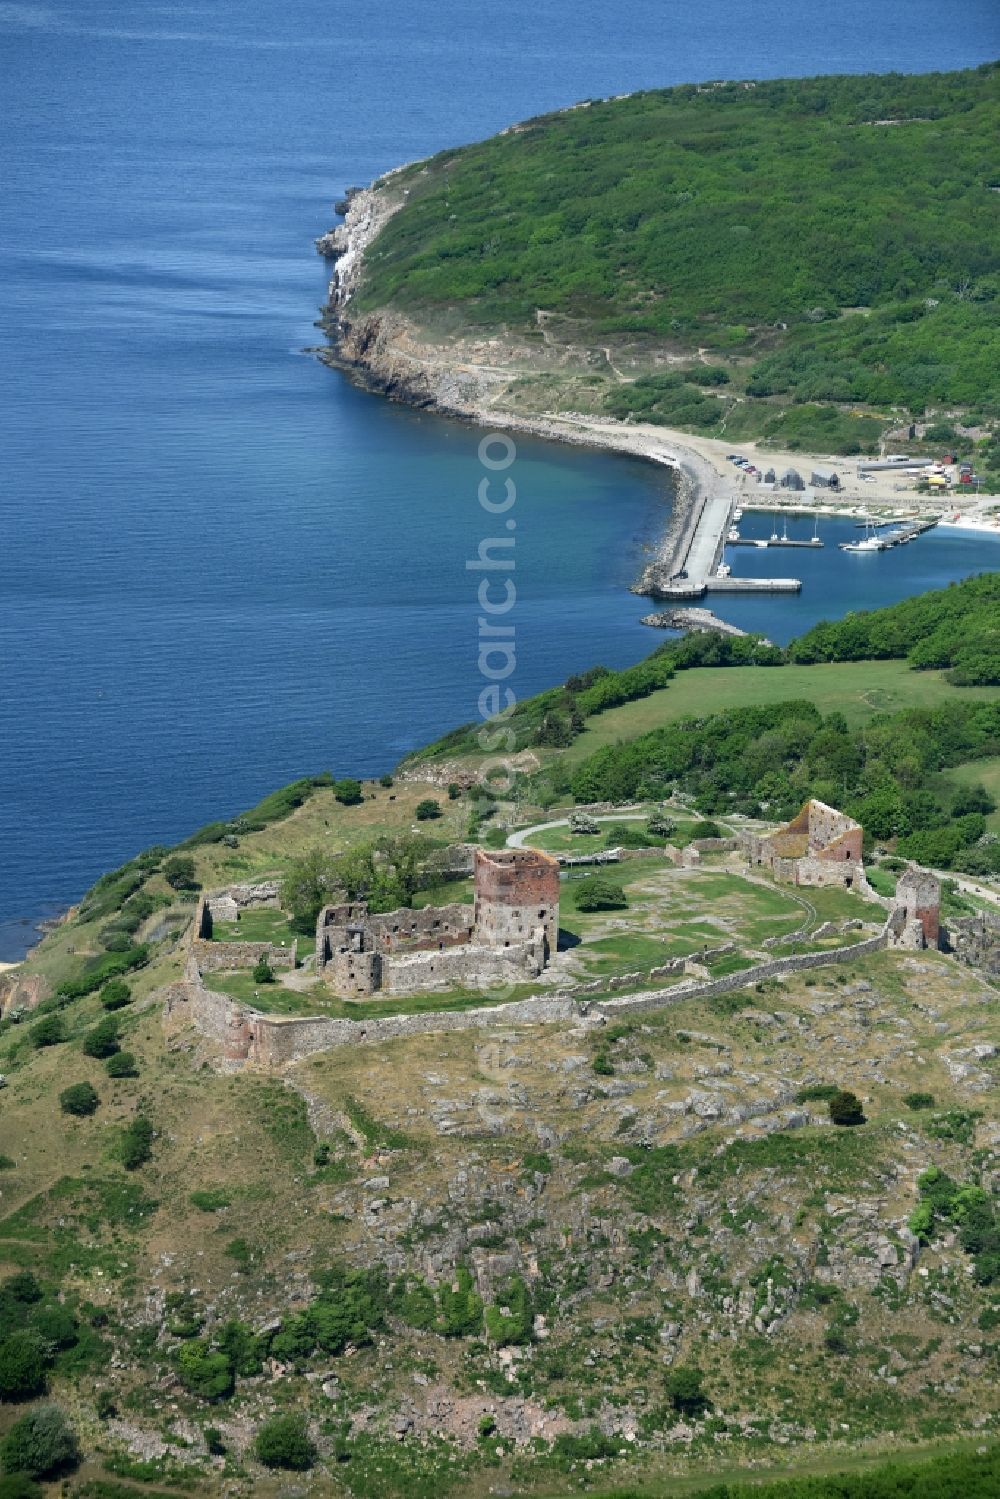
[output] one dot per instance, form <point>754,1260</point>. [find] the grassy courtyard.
<point>261,925</point>
<point>678,912</point>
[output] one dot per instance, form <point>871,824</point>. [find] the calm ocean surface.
<point>220,565</point>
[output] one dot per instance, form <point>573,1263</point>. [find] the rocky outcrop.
<point>22,991</point>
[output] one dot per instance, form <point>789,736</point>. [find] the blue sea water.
<point>221,565</point>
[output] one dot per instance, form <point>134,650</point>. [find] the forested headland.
<point>803,259</point>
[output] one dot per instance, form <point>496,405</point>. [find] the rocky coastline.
<point>378,352</point>
<point>471,380</point>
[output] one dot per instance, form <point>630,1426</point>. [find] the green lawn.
<point>449,893</point>
<point>982,773</point>
<point>858,689</point>
<point>263,925</point>
<point>274,999</point>
<point>882,880</point>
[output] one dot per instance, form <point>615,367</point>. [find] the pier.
<point>782,541</point>
<point>690,568</point>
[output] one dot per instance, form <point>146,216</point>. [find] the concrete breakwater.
<point>696,621</point>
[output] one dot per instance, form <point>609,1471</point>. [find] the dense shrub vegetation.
<point>767,761</point>
<point>956,627</point>
<point>41,1444</point>
<point>670,213</point>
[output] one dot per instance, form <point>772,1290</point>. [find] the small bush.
<point>685,1391</point>
<point>845,1108</point>
<point>283,1442</point>
<point>240,1251</point>
<point>599,894</point>
<point>956,1124</point>
<point>427,810</point>
<point>348,792</point>
<point>115,994</point>
<point>204,1372</point>
<point>121,1064</point>
<point>105,1405</point>
<point>511,1319</point>
<point>179,873</point>
<point>210,1199</point>
<point>80,1099</point>
<point>41,1444</point>
<point>102,1039</point>
<point>136,1144</point>
<point>817,1093</point>
<point>263,972</point>
<point>48,1031</point>
<point>385,780</point>
<point>19,1486</point>
<point>22,1366</point>
<point>919,1100</point>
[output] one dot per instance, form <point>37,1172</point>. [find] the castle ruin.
<point>506,936</point>
<point>820,846</point>
<point>915,913</point>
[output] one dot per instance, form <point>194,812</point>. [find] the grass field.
<point>275,999</point>
<point>982,773</point>
<point>676,913</point>
<point>858,689</point>
<point>264,925</point>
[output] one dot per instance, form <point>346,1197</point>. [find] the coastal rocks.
<point>692,621</point>
<point>20,993</point>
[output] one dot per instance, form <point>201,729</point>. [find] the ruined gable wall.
<point>408,930</point>
<point>832,834</point>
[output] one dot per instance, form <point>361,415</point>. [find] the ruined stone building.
<point>915,912</point>
<point>506,936</point>
<point>820,846</point>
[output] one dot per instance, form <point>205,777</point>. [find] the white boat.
<point>763,543</point>
<point>870,544</point>
<point>724,570</point>
<point>733,534</point>
<point>737,515</point>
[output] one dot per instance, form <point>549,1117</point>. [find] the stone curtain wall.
<point>214,956</point>
<point>704,989</point>
<point>470,965</point>
<point>245,1037</point>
